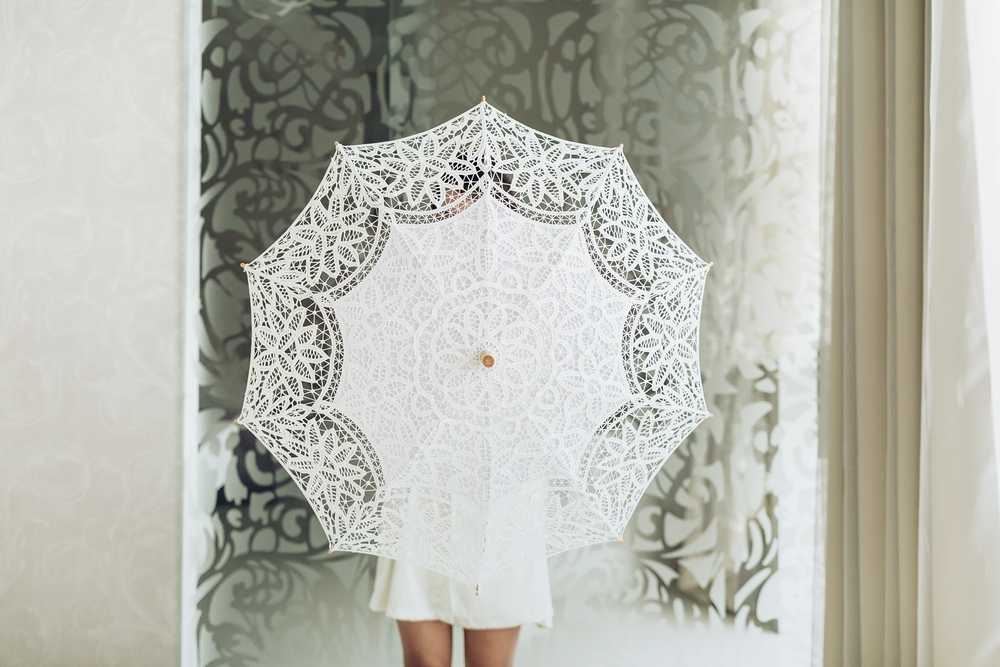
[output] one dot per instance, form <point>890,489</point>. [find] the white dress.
<point>408,592</point>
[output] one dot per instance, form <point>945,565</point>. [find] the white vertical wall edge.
<point>189,403</point>
<point>827,178</point>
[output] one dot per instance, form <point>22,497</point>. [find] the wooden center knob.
<point>487,359</point>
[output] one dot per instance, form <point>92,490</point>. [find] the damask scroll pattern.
<point>714,103</point>
<point>281,81</point>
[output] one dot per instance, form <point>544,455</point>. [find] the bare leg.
<point>491,648</point>
<point>425,643</point>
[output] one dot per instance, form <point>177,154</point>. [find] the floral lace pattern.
<point>412,259</point>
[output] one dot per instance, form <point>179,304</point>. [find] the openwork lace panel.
<point>373,315</point>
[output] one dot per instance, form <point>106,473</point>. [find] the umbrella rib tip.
<point>482,100</point>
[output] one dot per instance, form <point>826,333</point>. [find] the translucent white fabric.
<point>959,543</point>
<point>414,259</point>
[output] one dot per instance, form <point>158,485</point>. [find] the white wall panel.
<point>90,297</point>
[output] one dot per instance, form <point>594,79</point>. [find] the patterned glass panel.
<point>718,107</point>
<point>281,81</point>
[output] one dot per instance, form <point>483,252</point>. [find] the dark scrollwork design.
<point>277,91</point>
<point>685,503</point>
<point>694,91</point>
<point>270,577</point>
<point>282,81</point>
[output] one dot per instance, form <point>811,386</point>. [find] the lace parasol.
<point>475,346</point>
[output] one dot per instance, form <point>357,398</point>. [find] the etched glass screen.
<point>718,107</point>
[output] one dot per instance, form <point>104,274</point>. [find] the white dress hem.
<point>407,592</point>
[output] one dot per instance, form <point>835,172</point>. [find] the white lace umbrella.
<point>475,347</point>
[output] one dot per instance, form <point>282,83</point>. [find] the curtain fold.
<point>873,406</point>
<point>904,116</point>
<point>959,555</point>
<point>913,545</point>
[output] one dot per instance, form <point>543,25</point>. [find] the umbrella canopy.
<point>475,347</point>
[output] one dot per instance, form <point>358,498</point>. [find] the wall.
<point>90,295</point>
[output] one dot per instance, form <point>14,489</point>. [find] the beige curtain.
<point>912,482</point>
<point>873,383</point>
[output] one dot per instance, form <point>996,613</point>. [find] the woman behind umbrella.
<point>426,604</point>
<point>496,387</point>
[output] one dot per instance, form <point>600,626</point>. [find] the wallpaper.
<point>90,324</point>
<point>718,108</point>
